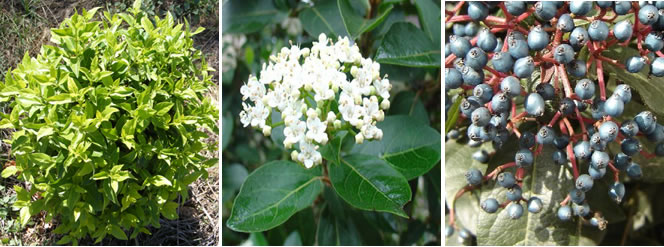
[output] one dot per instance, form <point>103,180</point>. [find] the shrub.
<point>108,124</point>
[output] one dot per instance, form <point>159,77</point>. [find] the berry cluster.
<point>485,71</point>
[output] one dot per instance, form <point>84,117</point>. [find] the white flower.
<point>253,90</point>
<point>294,133</point>
<point>292,25</point>
<point>254,115</point>
<point>316,130</point>
<point>309,155</point>
<point>383,87</point>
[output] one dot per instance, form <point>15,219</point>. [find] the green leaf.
<point>24,216</point>
<point>429,17</point>
<point>293,239</point>
<point>335,231</point>
<point>650,88</point>
<point>272,194</point>
<point>44,131</point>
<point>60,99</point>
<point>64,240</point>
<point>415,51</point>
<point>257,239</point>
<point>409,146</point>
<point>159,180</point>
<point>137,5</point>
<point>323,17</point>
<point>169,210</point>
<point>369,183</point>
<point>232,178</point>
<point>408,103</point>
<point>249,16</point>
<point>551,183</point>
<point>9,171</point>
<point>226,130</point>
<point>453,114</point>
<point>356,24</point>
<point>117,232</point>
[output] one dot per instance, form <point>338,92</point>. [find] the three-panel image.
<point>232,122</point>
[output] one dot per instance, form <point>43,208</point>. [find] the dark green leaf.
<point>369,183</point>
<point>415,51</point>
<point>232,178</point>
<point>410,147</point>
<point>408,103</point>
<point>429,16</point>
<point>257,239</point>
<point>249,16</point>
<point>272,194</point>
<point>453,114</point>
<point>226,130</point>
<point>293,239</point>
<point>323,17</point>
<point>335,231</point>
<point>356,24</point>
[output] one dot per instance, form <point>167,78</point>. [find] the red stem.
<point>570,156</point>
<point>600,78</point>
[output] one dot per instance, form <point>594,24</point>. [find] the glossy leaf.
<point>408,103</point>
<point>335,231</point>
<point>369,183</point>
<point>233,176</point>
<point>356,24</point>
<point>273,193</point>
<point>249,16</point>
<point>415,51</point>
<point>429,17</point>
<point>323,17</point>
<point>9,171</point>
<point>409,146</point>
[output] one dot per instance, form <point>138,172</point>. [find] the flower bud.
<point>331,117</point>
<point>311,113</point>
<point>305,52</point>
<point>359,138</point>
<point>380,116</point>
<point>337,124</point>
<point>353,71</point>
<point>267,130</point>
<point>293,155</point>
<point>385,104</point>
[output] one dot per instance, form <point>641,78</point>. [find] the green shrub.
<point>108,124</point>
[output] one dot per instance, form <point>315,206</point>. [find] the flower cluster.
<point>318,91</point>
<point>231,49</point>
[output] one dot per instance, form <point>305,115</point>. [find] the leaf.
<point>159,180</point>
<point>293,239</point>
<point>249,16</point>
<point>335,231</point>
<point>408,103</point>
<point>369,183</point>
<point>64,240</point>
<point>273,193</point>
<point>24,216</point>
<point>44,131</point>
<point>323,17</point>
<point>429,17</point>
<point>551,183</point>
<point>650,88</point>
<point>169,210</point>
<point>410,147</point>
<point>415,51</point>
<point>453,114</point>
<point>356,24</point>
<point>232,178</point>
<point>226,130</point>
<point>9,171</point>
<point>257,239</point>
<point>118,233</point>
<point>60,99</point>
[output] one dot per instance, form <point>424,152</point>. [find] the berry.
<point>599,160</point>
<point>622,7</point>
<point>471,29</point>
<point>635,64</point>
<point>567,106</point>
<point>545,10</point>
<point>614,106</point>
<point>578,37</point>
<point>517,48</point>
<point>481,156</point>
<point>597,109</point>
<point>630,146</point>
<point>576,68</point>
<point>502,62</point>
<point>527,140</point>
<point>489,205</point>
<point>534,104</point>
<point>478,11</point>
<point>624,92</point>
<point>480,116</point>
<point>580,105</point>
<point>459,29</point>
<point>646,122</point>
<point>511,86</point>
<point>515,210</point>
<point>506,179</point>
<point>486,40</point>
<point>472,77</point>
<point>523,158</point>
<point>564,213</point>
<point>464,233</point>
<point>565,23</point>
<point>500,103</point>
<point>524,67</point>
<point>656,136</point>
<point>563,53</point>
<point>453,78</point>
<point>577,196</point>
<point>634,171</point>
<point>617,192</point>
<point>515,7</point>
<point>584,182</point>
<point>596,173</point>
<point>648,14</point>
<point>585,89</point>
<point>623,30</point>
<point>498,121</point>
<point>534,205</point>
<point>654,41</point>
<point>468,106</point>
<point>453,134</point>
<point>474,176</point>
<point>608,131</point>
<point>487,133</point>
<point>582,150</point>
<point>476,58</point>
<point>561,142</point>
<point>598,30</point>
<point>559,157</point>
<point>657,67</point>
<point>546,91</point>
<point>605,4</point>
<point>621,161</point>
<point>449,231</point>
<point>514,193</point>
<point>581,209</point>
<point>538,39</point>
<point>459,46</point>
<point>545,135</point>
<point>483,92</point>
<point>596,142</point>
<point>473,132</point>
<point>447,50</point>
<point>580,8</point>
